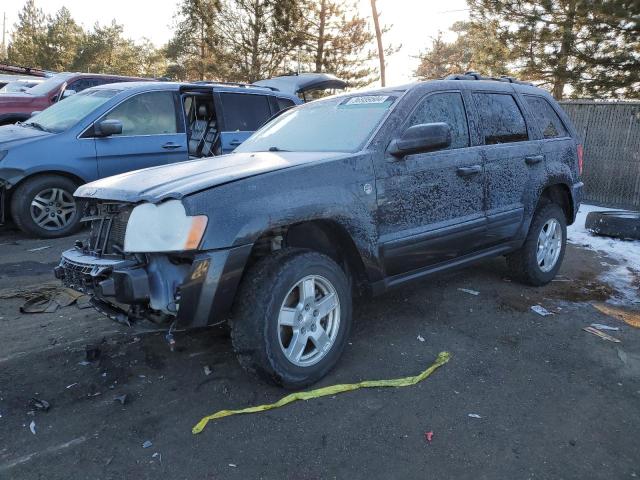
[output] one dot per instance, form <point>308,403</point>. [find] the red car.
<point>16,107</point>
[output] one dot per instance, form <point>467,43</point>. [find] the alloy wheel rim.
<point>309,321</point>
<point>549,245</point>
<point>53,209</point>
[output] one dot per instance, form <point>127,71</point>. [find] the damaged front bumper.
<point>195,292</point>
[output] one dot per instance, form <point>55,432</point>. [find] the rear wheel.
<point>537,262</point>
<point>44,206</point>
<point>292,317</point>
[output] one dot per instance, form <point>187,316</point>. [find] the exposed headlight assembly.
<point>165,227</point>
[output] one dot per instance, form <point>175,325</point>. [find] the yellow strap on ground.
<point>443,357</point>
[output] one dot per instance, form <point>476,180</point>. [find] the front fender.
<point>240,212</point>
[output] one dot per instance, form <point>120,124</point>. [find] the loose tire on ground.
<point>269,308</point>
<point>614,223</point>
<point>525,263</point>
<point>34,196</point>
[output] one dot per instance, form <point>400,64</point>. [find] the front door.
<point>151,135</point>
<point>430,205</point>
<point>513,161</point>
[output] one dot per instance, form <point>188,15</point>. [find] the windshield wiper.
<point>276,149</point>
<point>36,125</point>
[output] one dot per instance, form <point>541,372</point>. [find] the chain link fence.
<point>610,131</point>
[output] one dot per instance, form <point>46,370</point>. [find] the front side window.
<point>61,116</point>
<point>151,113</point>
<point>244,112</point>
<point>546,117</point>
<point>446,107</point>
<point>342,124</point>
<point>501,120</point>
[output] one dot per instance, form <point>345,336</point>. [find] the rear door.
<point>152,134</point>
<point>513,162</point>
<point>556,144</point>
<point>241,114</point>
<point>430,205</point>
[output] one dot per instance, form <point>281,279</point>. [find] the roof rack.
<point>233,84</point>
<point>477,76</point>
<point>35,72</point>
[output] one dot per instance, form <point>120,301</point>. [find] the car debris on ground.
<point>39,404</point>
<point>474,415</point>
<point>602,335</point>
<point>540,310</point>
<point>602,326</point>
<point>469,291</point>
<point>45,298</point>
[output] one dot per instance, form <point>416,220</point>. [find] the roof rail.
<point>35,72</point>
<point>477,76</point>
<point>232,84</point>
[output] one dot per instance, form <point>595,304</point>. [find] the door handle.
<point>171,146</point>
<point>468,171</point>
<point>234,143</point>
<point>533,159</point>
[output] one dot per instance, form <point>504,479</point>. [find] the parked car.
<point>116,128</point>
<point>20,85</point>
<point>20,106</point>
<point>355,193</point>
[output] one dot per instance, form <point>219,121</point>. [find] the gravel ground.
<point>553,400</point>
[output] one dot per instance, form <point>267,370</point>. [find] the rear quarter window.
<point>545,117</point>
<point>284,103</point>
<point>244,112</point>
<point>501,120</point>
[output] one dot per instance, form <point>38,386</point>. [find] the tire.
<point>619,224</point>
<point>259,340</point>
<point>44,191</point>
<point>524,264</point>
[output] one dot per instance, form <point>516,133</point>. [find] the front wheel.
<point>292,317</point>
<point>44,206</point>
<point>539,259</point>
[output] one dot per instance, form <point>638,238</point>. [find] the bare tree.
<point>376,23</point>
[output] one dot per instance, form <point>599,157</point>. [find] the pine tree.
<point>466,53</point>
<point>339,41</point>
<point>64,38</point>
<point>590,46</point>
<point>195,51</point>
<point>260,36</point>
<point>28,43</point>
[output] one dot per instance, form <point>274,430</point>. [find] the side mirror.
<point>35,112</point>
<point>425,137</point>
<point>106,128</point>
<point>68,93</point>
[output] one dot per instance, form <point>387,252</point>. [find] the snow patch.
<point>626,252</point>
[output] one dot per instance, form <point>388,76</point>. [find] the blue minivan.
<point>116,128</point>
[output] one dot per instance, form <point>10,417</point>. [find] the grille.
<point>108,229</point>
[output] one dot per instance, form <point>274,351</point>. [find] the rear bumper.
<point>196,294</point>
<point>576,195</point>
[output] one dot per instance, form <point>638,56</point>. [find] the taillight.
<point>580,157</point>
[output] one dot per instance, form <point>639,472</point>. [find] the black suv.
<point>347,195</point>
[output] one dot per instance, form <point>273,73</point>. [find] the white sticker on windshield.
<point>368,99</point>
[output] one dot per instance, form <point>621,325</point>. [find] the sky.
<point>414,22</point>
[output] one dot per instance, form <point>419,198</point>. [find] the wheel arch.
<point>558,193</point>
<point>322,235</point>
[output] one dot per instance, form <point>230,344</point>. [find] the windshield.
<point>342,124</point>
<point>66,113</point>
<point>49,84</point>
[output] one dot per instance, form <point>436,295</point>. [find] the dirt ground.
<point>554,401</point>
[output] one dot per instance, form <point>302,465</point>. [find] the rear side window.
<point>546,117</point>
<point>244,112</point>
<point>446,107</point>
<point>501,120</point>
<point>284,103</point>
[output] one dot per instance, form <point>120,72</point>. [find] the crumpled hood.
<point>12,135</point>
<point>180,179</point>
